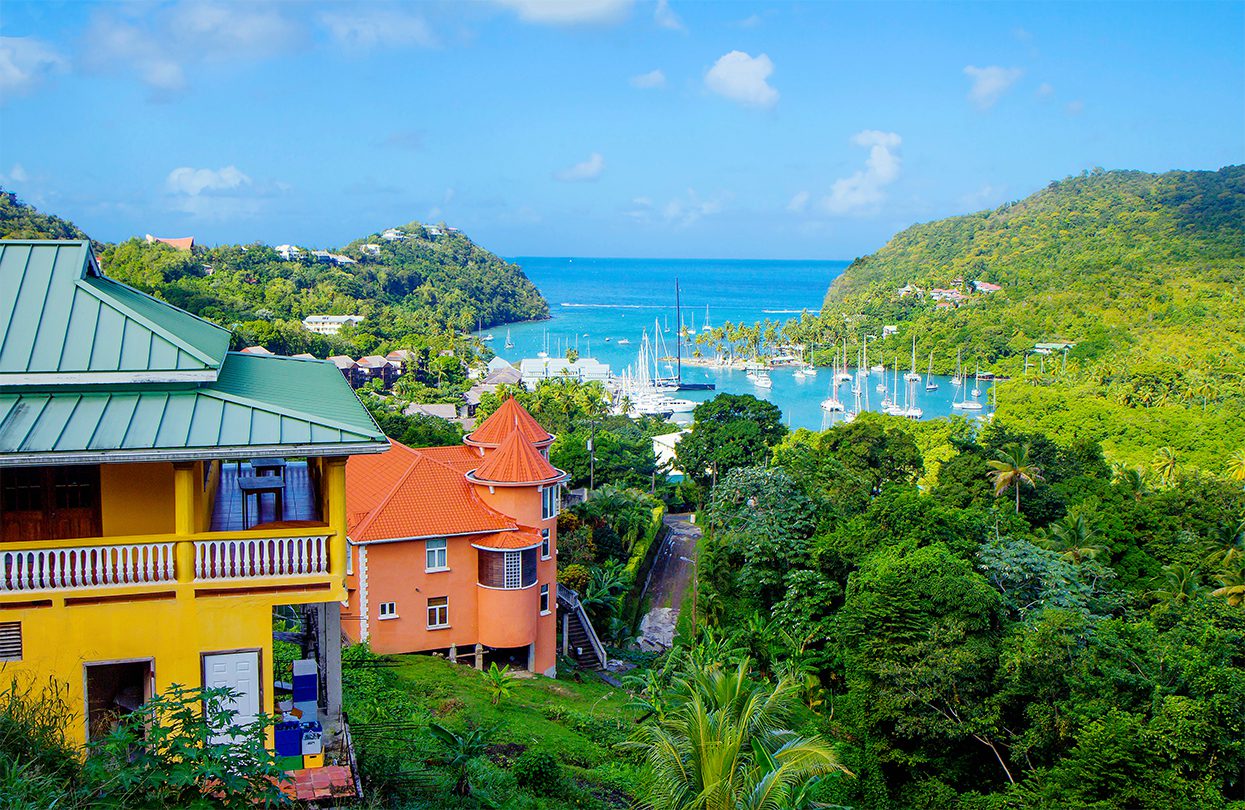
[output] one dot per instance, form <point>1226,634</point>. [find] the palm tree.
<point>1236,466</point>
<point>1165,464</point>
<point>1073,538</point>
<point>1180,583</point>
<point>460,750</point>
<point>1012,469</point>
<point>1225,547</point>
<point>725,746</point>
<point>1233,589</point>
<point>1136,479</point>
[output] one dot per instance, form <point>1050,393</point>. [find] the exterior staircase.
<point>579,639</point>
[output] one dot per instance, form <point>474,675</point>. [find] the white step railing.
<point>76,567</point>
<point>570,599</point>
<point>255,558</point>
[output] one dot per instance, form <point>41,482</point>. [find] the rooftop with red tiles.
<point>403,493</point>
<point>507,419</point>
<point>517,461</point>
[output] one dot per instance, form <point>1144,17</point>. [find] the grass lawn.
<point>576,723</point>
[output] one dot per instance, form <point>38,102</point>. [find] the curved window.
<point>509,570</point>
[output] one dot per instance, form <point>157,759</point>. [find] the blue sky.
<point>598,127</point>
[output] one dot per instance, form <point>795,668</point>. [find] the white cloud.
<point>25,62</point>
<point>1045,90</point>
<point>17,174</point>
<point>1075,107</point>
<point>583,171</point>
<point>678,212</point>
<point>666,18</point>
<point>569,12</point>
<point>990,83</point>
<point>157,47</point>
<point>799,201</point>
<point>751,21</point>
<point>743,78</point>
<point>865,190</point>
<point>645,81</point>
<point>193,182</point>
<point>366,27</point>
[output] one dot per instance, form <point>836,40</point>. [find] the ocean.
<point>591,299</point>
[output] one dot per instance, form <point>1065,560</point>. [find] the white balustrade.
<point>78,567</point>
<point>255,558</point>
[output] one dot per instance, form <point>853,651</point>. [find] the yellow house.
<point>161,496</point>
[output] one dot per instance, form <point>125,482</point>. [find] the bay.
<point>591,299</point>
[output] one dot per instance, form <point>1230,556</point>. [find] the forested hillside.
<point>418,291</point>
<point>1144,272</point>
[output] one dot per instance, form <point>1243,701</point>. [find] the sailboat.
<point>894,408</point>
<point>930,385</point>
<point>842,375</point>
<point>509,342</point>
<point>544,352</point>
<point>832,404</point>
<point>706,327</point>
<point>977,383</point>
<point>965,404</point>
<point>912,376</point>
<point>958,379</point>
<point>667,324</point>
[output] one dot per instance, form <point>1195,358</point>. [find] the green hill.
<point>417,291</point>
<point>1144,272</point>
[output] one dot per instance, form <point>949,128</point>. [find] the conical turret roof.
<point>517,461</point>
<point>509,418</point>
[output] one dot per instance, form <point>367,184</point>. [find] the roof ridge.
<point>106,297</point>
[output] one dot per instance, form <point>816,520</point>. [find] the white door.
<point>238,671</point>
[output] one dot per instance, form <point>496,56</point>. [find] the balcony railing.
<point>78,567</point>
<point>259,557</point>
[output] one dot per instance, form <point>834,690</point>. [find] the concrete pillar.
<point>531,657</point>
<point>566,633</point>
<point>480,657</point>
<point>184,519</point>
<point>330,646</point>
<point>453,653</point>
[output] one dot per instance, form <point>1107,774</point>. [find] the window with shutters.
<point>10,641</point>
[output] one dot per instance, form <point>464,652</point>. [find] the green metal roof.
<point>259,405</point>
<point>62,322</point>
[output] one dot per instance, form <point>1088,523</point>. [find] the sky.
<point>598,127</point>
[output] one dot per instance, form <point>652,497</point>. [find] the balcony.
<point>292,553</point>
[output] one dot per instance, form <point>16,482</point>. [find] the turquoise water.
<point>592,299</point>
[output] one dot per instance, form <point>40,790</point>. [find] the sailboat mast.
<point>678,340</point>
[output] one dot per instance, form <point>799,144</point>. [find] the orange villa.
<point>454,549</point>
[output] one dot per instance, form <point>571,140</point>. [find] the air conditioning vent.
<point>10,641</point>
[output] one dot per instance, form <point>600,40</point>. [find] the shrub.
<point>575,577</point>
<point>538,772</point>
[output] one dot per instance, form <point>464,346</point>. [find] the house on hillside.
<point>185,243</point>
<point>375,367</point>
<point>986,287</point>
<point>349,369</point>
<point>585,369</point>
<point>158,505</point>
<point>393,235</point>
<point>330,324</point>
<point>370,249</point>
<point>288,252</point>
<point>453,549</point>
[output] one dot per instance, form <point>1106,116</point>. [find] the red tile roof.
<point>524,538</point>
<point>459,456</point>
<point>511,416</point>
<point>517,461</point>
<point>404,493</point>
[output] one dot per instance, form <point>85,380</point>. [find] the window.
<point>549,502</point>
<point>349,560</point>
<point>10,641</point>
<point>389,610</point>
<point>544,600</point>
<point>438,612</point>
<point>544,544</point>
<point>435,556</point>
<point>514,570</point>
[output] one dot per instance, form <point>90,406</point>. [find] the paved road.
<point>668,582</point>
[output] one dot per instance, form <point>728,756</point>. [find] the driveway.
<point>668,581</point>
